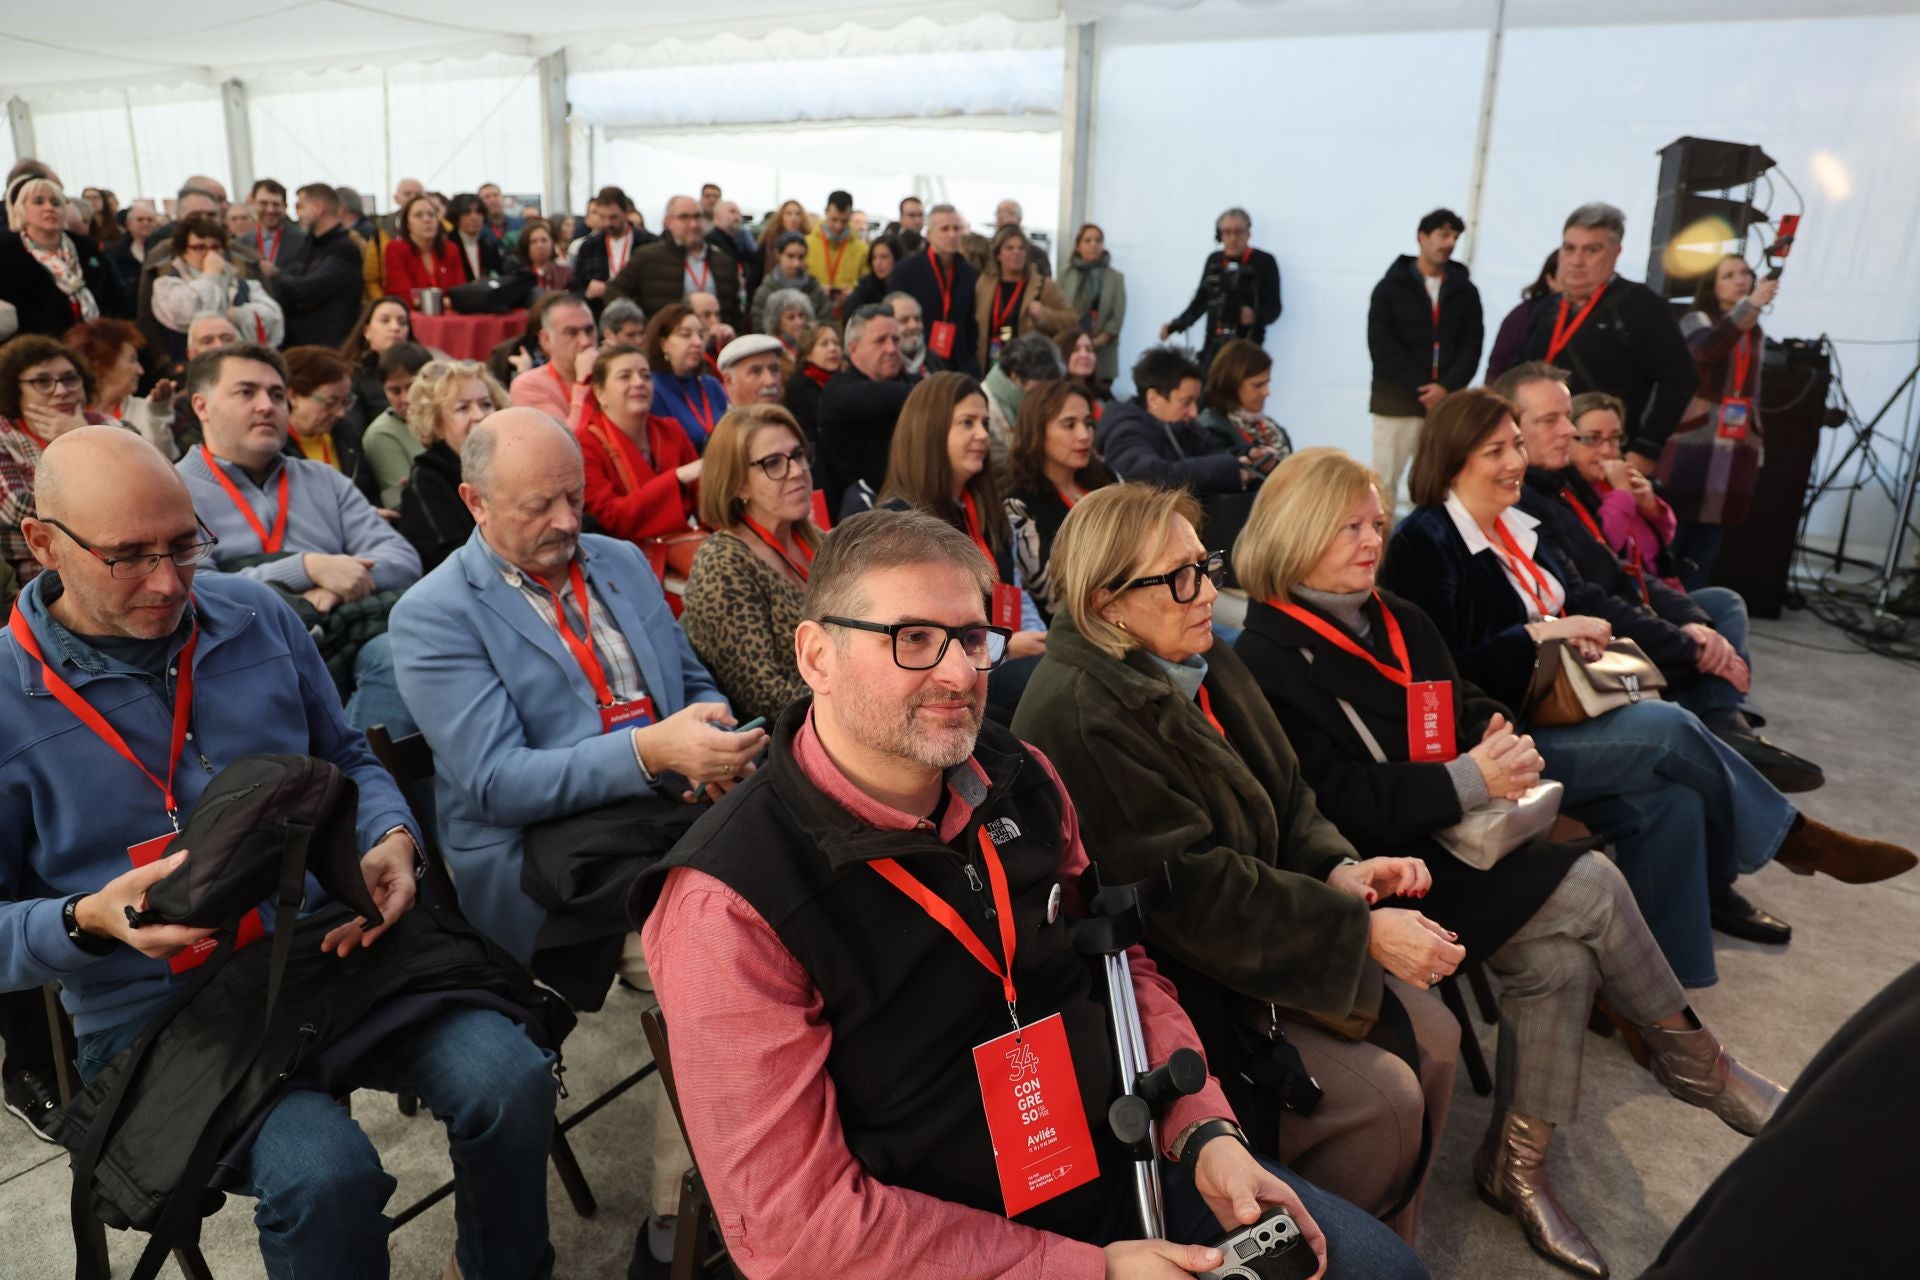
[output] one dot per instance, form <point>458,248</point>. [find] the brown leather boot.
<point>1814,846</point>
<point>1696,1070</point>
<point>1510,1172</point>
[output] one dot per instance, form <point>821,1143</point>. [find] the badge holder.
<point>1273,1246</point>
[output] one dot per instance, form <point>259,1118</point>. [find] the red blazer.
<point>628,497</point>
<point>407,272</point>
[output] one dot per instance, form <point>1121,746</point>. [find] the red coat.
<point>406,271</point>
<point>636,500</point>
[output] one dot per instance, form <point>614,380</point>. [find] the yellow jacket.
<point>850,263</point>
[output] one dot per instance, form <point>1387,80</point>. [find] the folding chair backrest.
<point>654,1023</point>
<point>410,761</point>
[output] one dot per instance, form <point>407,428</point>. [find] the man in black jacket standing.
<point>1614,335</point>
<point>859,406</point>
<point>942,282</point>
<point>1239,293</point>
<point>1424,331</point>
<point>319,287</point>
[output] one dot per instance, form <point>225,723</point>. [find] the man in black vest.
<point>857,944</point>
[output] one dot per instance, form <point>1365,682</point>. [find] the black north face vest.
<point>906,1002</point>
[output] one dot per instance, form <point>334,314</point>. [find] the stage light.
<point>1831,173</point>
<point>1697,247</point>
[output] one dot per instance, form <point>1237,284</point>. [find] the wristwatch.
<point>1198,1134</point>
<point>87,942</point>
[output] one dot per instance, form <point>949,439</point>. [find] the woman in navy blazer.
<point>1685,812</point>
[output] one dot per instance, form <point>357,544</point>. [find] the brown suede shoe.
<point>1851,859</point>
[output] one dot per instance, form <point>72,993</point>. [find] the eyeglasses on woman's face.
<point>1183,581</point>
<point>48,383</point>
<point>778,466</point>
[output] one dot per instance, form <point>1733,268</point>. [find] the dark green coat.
<point>1251,920</point>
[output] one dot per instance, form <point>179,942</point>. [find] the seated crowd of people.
<point>860,708</point>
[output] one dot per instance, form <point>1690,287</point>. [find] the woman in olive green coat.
<point>1176,761</point>
<point>1098,295</point>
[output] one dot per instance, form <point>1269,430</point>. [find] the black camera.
<point>1270,1249</point>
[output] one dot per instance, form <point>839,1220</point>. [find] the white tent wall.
<point>138,142</point>
<point>1337,144</point>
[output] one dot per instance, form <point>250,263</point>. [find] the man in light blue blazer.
<point>529,719</point>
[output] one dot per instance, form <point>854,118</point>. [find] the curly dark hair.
<point>205,225</point>
<point>22,354</point>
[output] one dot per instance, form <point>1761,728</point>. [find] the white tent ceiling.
<point>116,42</point>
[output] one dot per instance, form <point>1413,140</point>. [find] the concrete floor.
<point>1628,1171</point>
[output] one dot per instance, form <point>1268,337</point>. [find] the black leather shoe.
<point>29,1095</point>
<point>1786,771</point>
<point>1734,916</point>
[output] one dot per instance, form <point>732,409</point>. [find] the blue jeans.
<point>1685,813</point>
<point>320,1192</point>
<point>1727,614</point>
<point>1359,1245</point>
<point>376,692</point>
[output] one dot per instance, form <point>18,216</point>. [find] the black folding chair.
<point>95,1265</point>
<point>410,761</point>
<point>696,1209</point>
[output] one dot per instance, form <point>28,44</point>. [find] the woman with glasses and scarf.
<point>748,579</point>
<point>44,392</point>
<point>1180,770</point>
<point>322,416</point>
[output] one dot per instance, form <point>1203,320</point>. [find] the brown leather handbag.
<point>1568,690</point>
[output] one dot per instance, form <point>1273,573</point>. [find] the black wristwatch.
<point>1190,1142</point>
<point>87,942</point>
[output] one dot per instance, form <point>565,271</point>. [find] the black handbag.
<point>494,297</point>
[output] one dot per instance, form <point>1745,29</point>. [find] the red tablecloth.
<point>467,337</point>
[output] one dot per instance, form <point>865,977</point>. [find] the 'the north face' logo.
<point>1003,831</point>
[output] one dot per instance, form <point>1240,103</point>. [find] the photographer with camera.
<point>1239,293</point>
<point>891,1059</point>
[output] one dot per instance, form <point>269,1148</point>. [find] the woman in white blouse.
<point>202,278</point>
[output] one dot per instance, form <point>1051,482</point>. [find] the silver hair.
<point>857,322</point>
<point>1235,212</point>
<point>476,455</point>
<point>889,301</point>
<point>779,302</point>
<point>620,313</point>
<point>1600,215</point>
<point>547,323</point>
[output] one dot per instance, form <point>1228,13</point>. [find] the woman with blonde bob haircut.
<point>1352,672</point>
<point>447,400</point>
<point>1178,768</point>
<point>744,591</point>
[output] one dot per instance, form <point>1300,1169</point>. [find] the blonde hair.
<point>17,201</point>
<point>1296,518</point>
<point>434,389</point>
<point>1105,538</point>
<point>728,466</point>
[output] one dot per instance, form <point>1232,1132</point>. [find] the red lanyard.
<point>1742,363</point>
<point>582,650</point>
<point>1401,675</point>
<point>268,249</point>
<point>597,424</point>
<point>269,542</point>
<point>704,279</point>
<point>626,246</point>
<point>949,919</point>
<point>72,701</point>
<point>1436,330</point>
<point>32,435</point>
<point>704,414</point>
<point>1206,709</point>
<point>566,390</point>
<point>945,286</point>
<point>800,570</point>
<point>833,259</point>
<point>1586,518</point>
<point>1514,554</point>
<point>1562,331</point>
<point>1065,497</point>
<point>973,525</point>
<point>1012,311</point>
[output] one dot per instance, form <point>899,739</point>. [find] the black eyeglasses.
<point>45,383</point>
<point>1182,582</point>
<point>1599,441</point>
<point>779,466</point>
<point>919,646</point>
<point>140,566</point>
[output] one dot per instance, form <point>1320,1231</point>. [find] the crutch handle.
<point>1180,1075</point>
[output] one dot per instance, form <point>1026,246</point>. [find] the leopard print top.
<point>741,615</point>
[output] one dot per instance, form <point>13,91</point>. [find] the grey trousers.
<point>1362,1142</point>
<point>1587,938</point>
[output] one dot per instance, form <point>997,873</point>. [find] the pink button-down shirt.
<point>750,1044</point>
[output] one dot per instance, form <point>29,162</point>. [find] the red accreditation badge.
<point>1430,737</point>
<point>252,927</point>
<point>940,336</point>
<point>821,520</point>
<point>626,715</point>
<point>1041,1145</point>
<point>1006,606</point>
<point>1736,418</point>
